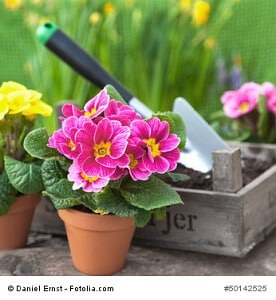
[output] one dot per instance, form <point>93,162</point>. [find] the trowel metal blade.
<point>202,139</point>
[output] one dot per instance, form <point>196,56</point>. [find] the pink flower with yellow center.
<point>161,153</point>
<point>136,167</point>
<point>121,112</point>
<point>242,101</point>
<point>103,147</point>
<point>64,139</point>
<point>85,182</point>
<point>93,108</point>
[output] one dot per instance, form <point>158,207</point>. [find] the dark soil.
<point>251,168</point>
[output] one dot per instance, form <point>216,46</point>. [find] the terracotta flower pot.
<point>98,244</point>
<point>15,225</point>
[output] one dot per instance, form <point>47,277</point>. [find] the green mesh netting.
<point>251,33</point>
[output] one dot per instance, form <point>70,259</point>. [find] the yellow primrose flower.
<point>108,8</point>
<point>210,43</point>
<point>3,107</point>
<point>185,5</point>
<point>11,86</point>
<point>201,12</point>
<point>18,101</point>
<point>13,4</point>
<point>94,18</point>
<point>38,107</point>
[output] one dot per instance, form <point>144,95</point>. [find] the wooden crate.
<point>220,222</point>
<point>215,222</point>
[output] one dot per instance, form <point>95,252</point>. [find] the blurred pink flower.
<point>241,101</point>
<point>269,91</point>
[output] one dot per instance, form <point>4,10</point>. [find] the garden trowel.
<point>201,138</point>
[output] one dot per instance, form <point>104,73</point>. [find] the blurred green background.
<point>152,47</point>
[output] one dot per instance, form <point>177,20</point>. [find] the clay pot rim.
<point>93,221</point>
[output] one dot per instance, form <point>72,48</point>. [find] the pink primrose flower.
<point>269,91</point>
<point>241,101</point>
<point>69,110</point>
<point>85,182</point>
<point>96,105</point>
<point>121,112</point>
<point>64,139</point>
<point>161,153</point>
<point>271,104</point>
<point>103,147</point>
<point>136,167</point>
<point>93,107</point>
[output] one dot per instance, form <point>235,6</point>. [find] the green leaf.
<point>35,143</point>
<point>160,213</point>
<point>7,194</point>
<point>62,195</point>
<point>53,170</point>
<point>151,194</point>
<point>176,177</point>
<point>25,177</point>
<point>177,125</point>
<point>112,201</point>
<point>142,218</point>
<point>114,94</point>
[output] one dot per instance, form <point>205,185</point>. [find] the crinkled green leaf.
<point>112,201</point>
<point>142,218</point>
<point>151,194</point>
<point>62,195</point>
<point>35,143</point>
<point>25,177</point>
<point>53,170</point>
<point>7,194</point>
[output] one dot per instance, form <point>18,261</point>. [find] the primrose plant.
<point>20,108</point>
<point>249,113</point>
<point>107,158</point>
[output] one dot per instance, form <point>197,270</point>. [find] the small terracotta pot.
<point>98,244</point>
<point>15,225</point>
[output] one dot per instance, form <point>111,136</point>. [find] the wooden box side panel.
<point>259,209</point>
<point>207,222</point>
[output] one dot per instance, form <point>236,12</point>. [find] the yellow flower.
<point>100,211</point>
<point>108,8</point>
<point>185,5</point>
<point>38,107</point>
<point>19,99</point>
<point>11,86</point>
<point>210,43</point>
<point>201,12</point>
<point>94,18</point>
<point>3,107</point>
<point>13,4</point>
